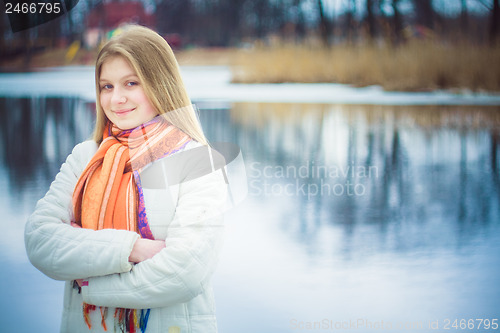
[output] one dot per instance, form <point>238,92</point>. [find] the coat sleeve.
<point>183,268</point>
<point>63,252</point>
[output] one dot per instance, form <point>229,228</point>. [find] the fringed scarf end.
<point>125,320</point>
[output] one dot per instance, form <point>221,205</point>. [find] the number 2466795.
<point>33,8</point>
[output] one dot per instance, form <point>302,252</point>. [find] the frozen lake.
<point>363,217</point>
<point>212,84</point>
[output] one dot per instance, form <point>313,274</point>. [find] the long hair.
<point>156,66</point>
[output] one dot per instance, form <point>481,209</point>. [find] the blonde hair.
<point>156,66</point>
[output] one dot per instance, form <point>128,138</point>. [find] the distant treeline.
<point>239,22</point>
<point>229,22</point>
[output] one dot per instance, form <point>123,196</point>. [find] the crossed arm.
<point>122,269</point>
<point>143,249</point>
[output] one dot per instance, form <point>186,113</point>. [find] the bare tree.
<point>350,15</point>
<point>495,22</point>
<point>424,13</point>
<point>260,8</point>
<point>370,18</point>
<point>300,29</point>
<point>464,18</point>
<point>324,25</point>
<point>173,16</point>
<point>232,12</point>
<point>3,28</point>
<point>397,22</point>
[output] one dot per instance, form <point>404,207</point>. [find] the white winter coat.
<point>174,284</point>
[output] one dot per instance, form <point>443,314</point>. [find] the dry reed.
<point>414,66</point>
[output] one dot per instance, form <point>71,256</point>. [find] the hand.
<point>81,283</point>
<point>145,249</point>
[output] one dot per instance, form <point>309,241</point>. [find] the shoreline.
<point>419,66</point>
<point>212,85</point>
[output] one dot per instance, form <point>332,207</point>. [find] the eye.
<point>106,86</point>
<point>132,83</point>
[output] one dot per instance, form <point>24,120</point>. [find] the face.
<point>122,95</point>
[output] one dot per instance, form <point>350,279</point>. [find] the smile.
<point>123,112</point>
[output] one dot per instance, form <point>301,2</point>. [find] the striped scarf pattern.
<point>108,194</point>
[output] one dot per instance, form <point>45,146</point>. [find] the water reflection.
<point>349,207</point>
<point>36,136</point>
<point>394,178</point>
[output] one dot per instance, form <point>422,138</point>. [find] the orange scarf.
<point>108,194</point>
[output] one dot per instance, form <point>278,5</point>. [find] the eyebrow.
<point>101,79</point>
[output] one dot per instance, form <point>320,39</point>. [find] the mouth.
<point>123,112</point>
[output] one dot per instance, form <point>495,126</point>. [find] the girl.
<point>132,222</point>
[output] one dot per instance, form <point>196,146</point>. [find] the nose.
<point>118,96</point>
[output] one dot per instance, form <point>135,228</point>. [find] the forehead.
<point>116,67</point>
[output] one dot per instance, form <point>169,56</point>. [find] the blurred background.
<point>398,44</point>
<point>370,131</point>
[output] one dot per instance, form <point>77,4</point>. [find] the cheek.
<point>151,110</point>
<point>148,106</point>
<point>104,100</point>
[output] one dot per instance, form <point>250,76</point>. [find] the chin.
<point>125,125</point>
